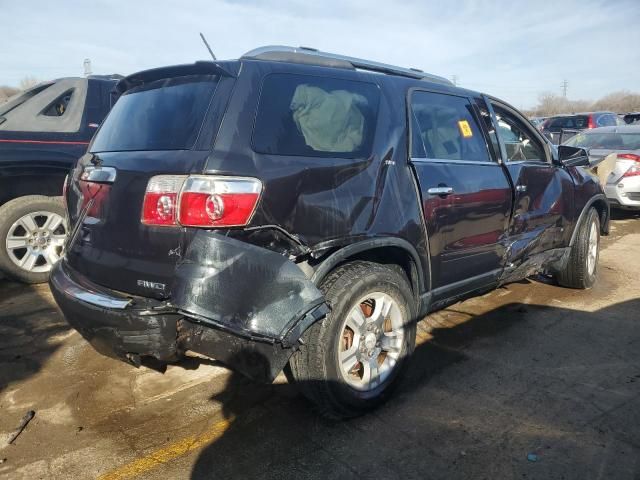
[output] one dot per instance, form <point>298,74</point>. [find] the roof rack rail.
<point>316,57</point>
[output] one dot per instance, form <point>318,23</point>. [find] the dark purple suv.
<point>299,210</point>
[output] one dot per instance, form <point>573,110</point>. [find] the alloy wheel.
<point>371,341</point>
<point>36,240</point>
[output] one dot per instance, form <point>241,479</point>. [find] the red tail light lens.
<point>211,201</point>
<point>634,171</point>
<point>200,201</point>
<point>591,122</point>
<point>160,204</point>
<point>629,156</point>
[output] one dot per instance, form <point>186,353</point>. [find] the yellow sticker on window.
<point>465,129</point>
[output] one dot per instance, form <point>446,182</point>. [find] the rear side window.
<point>58,107</point>
<point>607,120</point>
<point>303,115</point>
<point>162,115</point>
<point>445,128</point>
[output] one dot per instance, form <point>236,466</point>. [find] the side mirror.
<point>572,156</point>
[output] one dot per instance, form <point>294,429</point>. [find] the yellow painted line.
<point>170,452</point>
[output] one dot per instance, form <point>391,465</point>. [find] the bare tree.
<point>28,82</point>
<point>619,102</point>
<point>6,92</point>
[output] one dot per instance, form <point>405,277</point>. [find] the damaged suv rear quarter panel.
<point>327,202</point>
<point>248,290</point>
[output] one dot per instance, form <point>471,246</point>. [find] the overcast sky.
<point>514,50</point>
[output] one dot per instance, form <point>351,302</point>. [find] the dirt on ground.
<point>529,381</point>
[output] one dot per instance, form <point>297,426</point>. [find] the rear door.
<point>543,202</point>
<point>466,194</point>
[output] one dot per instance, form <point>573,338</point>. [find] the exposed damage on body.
<point>306,215</point>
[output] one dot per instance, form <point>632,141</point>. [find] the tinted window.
<point>162,115</point>
<point>304,115</point>
<point>609,141</point>
<point>577,122</point>
<point>445,128</point>
<point>58,107</point>
<point>607,120</point>
<point>519,142</point>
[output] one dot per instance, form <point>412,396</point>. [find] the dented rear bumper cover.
<point>240,304</point>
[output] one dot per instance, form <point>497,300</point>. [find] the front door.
<point>466,193</point>
<point>543,191</point>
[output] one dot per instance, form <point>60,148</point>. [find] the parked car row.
<point>560,128</point>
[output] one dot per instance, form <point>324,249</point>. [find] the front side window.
<point>444,127</point>
<point>304,115</point>
<point>519,142</point>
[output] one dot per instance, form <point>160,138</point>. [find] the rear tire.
<point>351,361</point>
<point>32,233</point>
<point>581,270</point>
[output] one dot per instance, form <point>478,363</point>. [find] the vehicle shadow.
<point>478,398</point>
<point>29,325</point>
<point>620,214</point>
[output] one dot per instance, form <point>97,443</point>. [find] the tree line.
<point>549,104</point>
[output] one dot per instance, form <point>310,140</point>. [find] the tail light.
<point>200,201</point>
<point>160,206</point>
<point>634,170</point>
<point>591,122</point>
<point>629,156</point>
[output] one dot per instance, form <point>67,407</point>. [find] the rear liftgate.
<point>243,305</point>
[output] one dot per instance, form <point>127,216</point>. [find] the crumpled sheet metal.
<point>242,288</point>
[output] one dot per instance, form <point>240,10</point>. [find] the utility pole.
<point>87,67</point>
<point>564,87</point>
<point>454,80</point>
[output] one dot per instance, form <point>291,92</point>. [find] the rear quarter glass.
<point>163,115</point>
<point>315,116</point>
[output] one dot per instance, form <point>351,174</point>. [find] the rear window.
<point>304,115</point>
<point>608,141</point>
<point>162,115</point>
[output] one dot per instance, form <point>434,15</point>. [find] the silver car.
<point>622,185</point>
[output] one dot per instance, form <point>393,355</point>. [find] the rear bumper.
<point>134,329</point>
<point>626,197</point>
<point>115,325</point>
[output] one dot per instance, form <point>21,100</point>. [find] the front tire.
<point>351,360</point>
<point>582,268</point>
<point>32,235</point>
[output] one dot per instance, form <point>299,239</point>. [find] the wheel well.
<point>602,208</point>
<point>19,186</point>
<point>390,256</point>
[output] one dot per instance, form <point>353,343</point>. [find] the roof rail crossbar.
<point>303,54</point>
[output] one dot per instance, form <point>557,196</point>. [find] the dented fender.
<point>246,290</point>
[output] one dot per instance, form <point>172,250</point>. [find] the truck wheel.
<point>582,267</point>
<point>352,359</point>
<point>32,234</point>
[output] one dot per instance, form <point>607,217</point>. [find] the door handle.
<point>440,191</point>
<point>521,188</point>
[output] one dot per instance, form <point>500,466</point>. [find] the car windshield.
<point>163,115</point>
<point>608,140</point>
